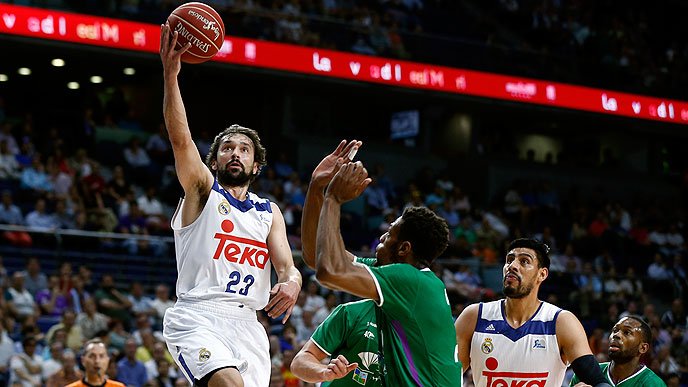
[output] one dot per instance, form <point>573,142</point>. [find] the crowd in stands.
<point>597,43</point>
<point>608,257</point>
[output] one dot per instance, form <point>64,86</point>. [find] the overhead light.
<point>3,78</point>
<point>24,71</point>
<point>57,62</point>
<point>129,71</point>
<point>96,79</point>
<point>73,85</point>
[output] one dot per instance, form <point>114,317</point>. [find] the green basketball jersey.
<point>417,328</point>
<point>645,377</point>
<point>350,330</point>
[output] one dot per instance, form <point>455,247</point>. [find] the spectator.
<point>138,161</point>
<point>163,373</point>
<point>53,364</point>
<point>78,294</point>
<point>152,208</point>
<point>118,190</point>
<point>676,316</point>
<point>61,181</point>
<point>658,270</point>
<point>9,168</point>
<point>75,337</point>
<point>18,300</point>
<point>161,303</point>
<point>35,178</point>
<point>26,367</point>
<point>34,278</point>
<point>6,352</point>
<point>40,219</point>
<point>68,373</point>
<point>117,336</point>
<point>54,300</point>
<point>129,370</point>
<point>159,354</point>
<point>8,138</point>
<point>11,214</point>
<point>141,303</point>
<point>158,146</point>
<point>90,320</point>
<point>111,302</point>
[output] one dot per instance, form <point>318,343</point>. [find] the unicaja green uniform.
<point>351,331</point>
<point>644,377</point>
<point>418,336</point>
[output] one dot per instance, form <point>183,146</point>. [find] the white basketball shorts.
<point>204,336</point>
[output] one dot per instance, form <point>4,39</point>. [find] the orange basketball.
<point>201,25</point>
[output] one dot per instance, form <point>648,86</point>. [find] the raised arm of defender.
<point>320,178</point>
<point>194,176</point>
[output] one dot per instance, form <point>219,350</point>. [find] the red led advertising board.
<point>127,35</point>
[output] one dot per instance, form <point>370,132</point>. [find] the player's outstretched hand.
<point>338,367</point>
<point>282,299</point>
<point>169,55</point>
<point>349,182</point>
<point>323,173</point>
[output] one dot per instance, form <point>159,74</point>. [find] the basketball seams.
<point>206,38</point>
<point>186,22</point>
<point>214,15</point>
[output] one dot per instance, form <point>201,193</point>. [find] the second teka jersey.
<point>525,356</point>
<point>223,256</point>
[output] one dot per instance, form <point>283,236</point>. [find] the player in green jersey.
<point>419,343</point>
<point>629,340</point>
<point>349,332</point>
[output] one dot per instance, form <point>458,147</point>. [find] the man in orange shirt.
<point>95,360</point>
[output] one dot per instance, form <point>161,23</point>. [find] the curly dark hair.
<point>541,249</point>
<point>259,149</point>
<point>427,232</point>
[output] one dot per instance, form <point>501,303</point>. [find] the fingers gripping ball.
<point>200,25</point>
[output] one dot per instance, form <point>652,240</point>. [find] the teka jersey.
<point>223,256</point>
<point>528,355</point>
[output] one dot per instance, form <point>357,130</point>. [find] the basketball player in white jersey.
<point>226,240</point>
<point>521,340</point>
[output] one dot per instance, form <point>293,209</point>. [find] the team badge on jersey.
<point>487,347</point>
<point>223,208</point>
<point>203,354</point>
<point>360,377</point>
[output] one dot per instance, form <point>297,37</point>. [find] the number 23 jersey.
<point>223,256</point>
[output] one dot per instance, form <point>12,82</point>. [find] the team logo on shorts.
<point>223,208</point>
<point>487,346</point>
<point>203,354</point>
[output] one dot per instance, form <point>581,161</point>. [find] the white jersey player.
<point>226,242</point>
<point>497,349</point>
<point>521,340</point>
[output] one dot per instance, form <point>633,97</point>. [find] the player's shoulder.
<point>78,383</point>
<point>470,312</point>
<point>114,383</point>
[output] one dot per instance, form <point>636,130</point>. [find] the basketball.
<point>201,25</point>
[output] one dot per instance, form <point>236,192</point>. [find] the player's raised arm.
<point>320,178</point>
<point>193,175</point>
<point>334,267</point>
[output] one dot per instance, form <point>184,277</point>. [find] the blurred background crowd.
<point>86,200</point>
